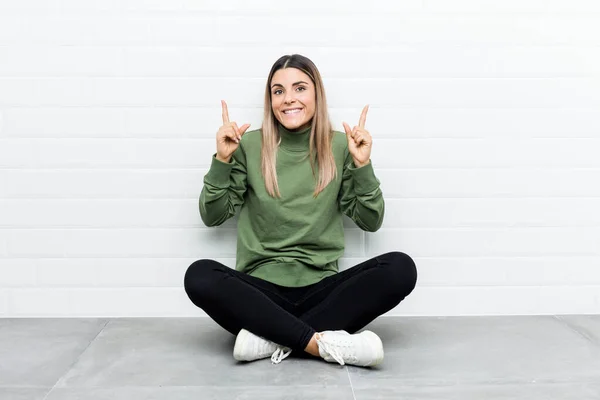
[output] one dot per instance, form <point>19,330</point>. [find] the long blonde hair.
<point>321,132</point>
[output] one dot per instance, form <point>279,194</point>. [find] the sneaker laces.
<point>338,347</point>
<point>280,354</point>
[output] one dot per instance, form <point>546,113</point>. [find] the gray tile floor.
<point>525,357</point>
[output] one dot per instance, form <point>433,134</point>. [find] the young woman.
<point>291,181</point>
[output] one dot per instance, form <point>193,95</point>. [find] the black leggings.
<point>290,316</point>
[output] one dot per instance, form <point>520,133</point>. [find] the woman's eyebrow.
<point>294,84</point>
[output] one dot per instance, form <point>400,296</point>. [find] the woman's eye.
<point>301,87</point>
<point>277,91</point>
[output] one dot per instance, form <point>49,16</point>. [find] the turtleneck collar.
<point>294,141</point>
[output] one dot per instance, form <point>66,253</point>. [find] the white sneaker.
<point>249,347</point>
<point>363,349</point>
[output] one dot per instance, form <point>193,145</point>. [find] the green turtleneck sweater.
<point>295,240</point>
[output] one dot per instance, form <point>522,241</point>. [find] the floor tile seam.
<point>379,384</point>
<point>77,359</point>
<point>350,380</point>
<point>572,328</point>
<point>424,383</point>
<point>20,386</point>
<point>228,387</point>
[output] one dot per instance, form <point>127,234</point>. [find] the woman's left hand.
<point>359,140</point>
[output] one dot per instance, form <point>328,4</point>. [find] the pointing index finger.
<point>225,112</point>
<point>363,117</point>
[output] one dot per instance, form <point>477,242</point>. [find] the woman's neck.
<point>298,140</point>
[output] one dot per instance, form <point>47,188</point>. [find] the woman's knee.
<point>198,278</point>
<point>403,271</point>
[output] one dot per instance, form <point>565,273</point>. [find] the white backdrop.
<point>485,117</point>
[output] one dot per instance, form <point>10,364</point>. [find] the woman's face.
<point>292,98</point>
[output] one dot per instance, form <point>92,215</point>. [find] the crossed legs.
<point>292,317</point>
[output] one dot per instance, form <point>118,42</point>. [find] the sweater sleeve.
<point>360,197</point>
<point>224,188</point>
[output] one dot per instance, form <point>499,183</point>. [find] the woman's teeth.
<point>297,110</point>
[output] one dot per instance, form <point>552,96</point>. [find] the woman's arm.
<point>224,189</point>
<point>360,197</point>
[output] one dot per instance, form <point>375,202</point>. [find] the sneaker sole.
<point>376,347</point>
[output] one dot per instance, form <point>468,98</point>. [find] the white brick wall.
<point>485,116</point>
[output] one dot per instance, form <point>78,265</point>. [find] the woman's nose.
<point>288,98</point>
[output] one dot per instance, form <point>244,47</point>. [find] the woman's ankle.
<point>313,348</point>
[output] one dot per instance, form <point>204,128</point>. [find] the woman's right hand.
<point>228,136</point>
